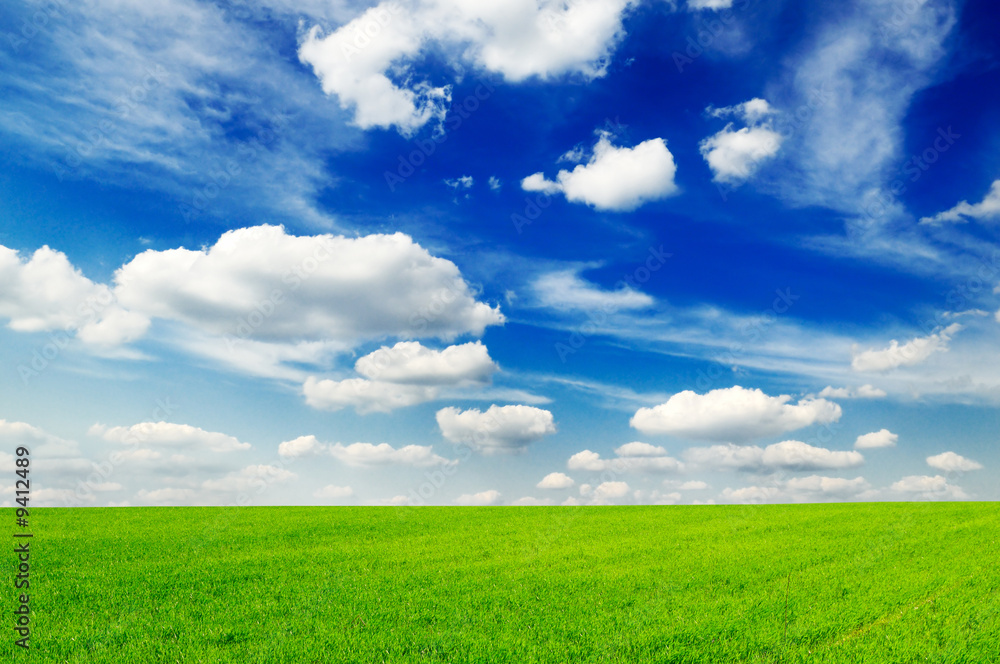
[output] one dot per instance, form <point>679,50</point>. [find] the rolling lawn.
<point>874,582</point>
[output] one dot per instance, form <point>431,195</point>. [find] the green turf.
<point>872,583</point>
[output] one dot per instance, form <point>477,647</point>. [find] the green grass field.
<point>805,583</point>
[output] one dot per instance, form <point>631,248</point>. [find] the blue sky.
<point>586,252</point>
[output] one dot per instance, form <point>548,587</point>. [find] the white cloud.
<point>491,497</point>
<point>693,485</point>
<point>367,454</point>
<point>608,492</point>
<point>263,283</point>
<point>517,41</point>
<point>254,478</point>
<point>411,362</point>
<point>734,155</point>
<point>556,481</point>
<point>618,179</point>
<point>300,447</point>
<point>168,434</point>
<point>950,462</point>
<point>846,92</point>
<point>986,209</point>
<point>752,494</point>
<point>929,488</point>
<point>714,5</point>
<point>592,461</point>
<point>876,439</point>
<point>796,455</point>
<point>464,182</point>
<point>531,501</point>
<point>366,396</point>
<point>494,183</point>
<point>47,293</point>
<point>638,449</point>
<point>166,496</point>
<point>863,392</point>
<point>735,414</point>
<point>827,485</point>
<point>912,352</point>
<point>334,492</point>
<point>498,429</point>
<point>786,455</point>
<point>565,290</point>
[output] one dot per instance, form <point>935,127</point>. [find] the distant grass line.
<point>870,582</point>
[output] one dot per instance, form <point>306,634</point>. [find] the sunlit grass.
<point>818,583</point>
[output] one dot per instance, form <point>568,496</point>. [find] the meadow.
<point>878,583</point>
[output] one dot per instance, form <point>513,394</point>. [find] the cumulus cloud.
<point>863,392</point>
<point>637,449</point>
<point>491,497</point>
<point>786,455</point>
<point>367,454</point>
<point>252,478</point>
<point>876,439</point>
<point>556,481</point>
<point>609,492</point>
<point>498,429</point>
<point>618,179</point>
<point>334,492</point>
<point>912,352</point>
<point>272,286</point>
<point>950,462</point>
<point>45,292</point>
<point>733,414</point>
<point>168,434</point>
<point>929,488</point>
<point>566,290</point>
<point>640,463</point>
<point>411,362</point>
<point>827,485</point>
<point>734,155</point>
<point>365,396</point>
<point>547,39</point>
<point>986,209</point>
<point>301,447</point>
<point>363,454</point>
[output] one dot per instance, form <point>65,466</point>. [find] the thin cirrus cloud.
<point>499,429</point>
<point>863,392</point>
<point>732,414</point>
<point>898,355</point>
<point>618,179</point>
<point>986,209</point>
<point>566,290</point>
<point>355,61</point>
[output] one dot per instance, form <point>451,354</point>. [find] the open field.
<point>864,582</point>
